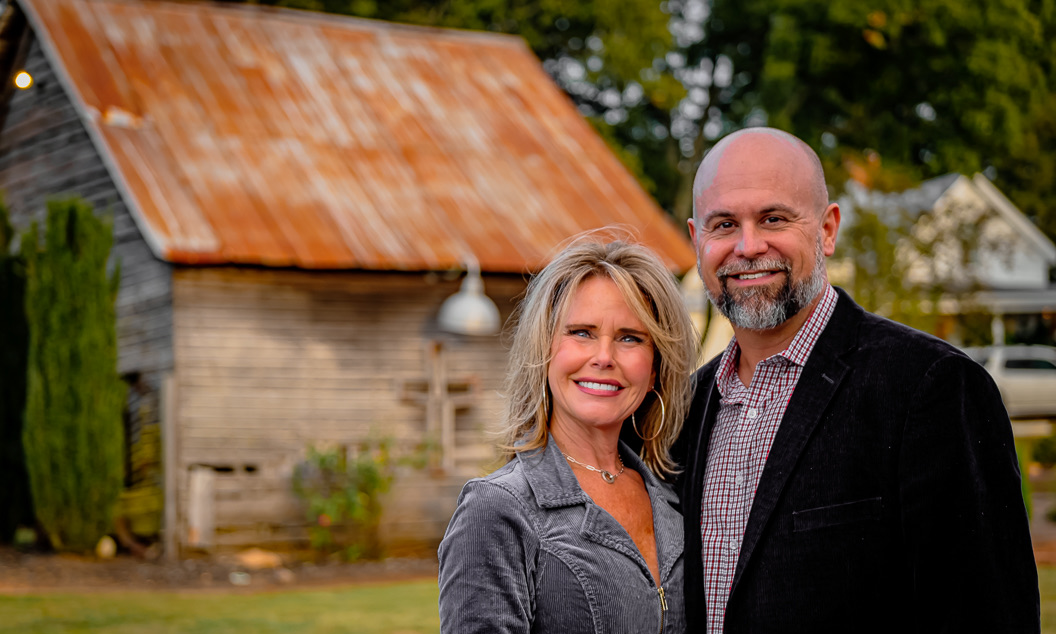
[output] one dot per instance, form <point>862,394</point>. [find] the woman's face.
<point>601,363</point>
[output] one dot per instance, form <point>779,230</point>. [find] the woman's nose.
<point>603,352</point>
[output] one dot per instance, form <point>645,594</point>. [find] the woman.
<point>577,533</point>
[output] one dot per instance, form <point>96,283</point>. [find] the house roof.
<point>254,135</point>
<point>1019,222</point>
<point>929,193</point>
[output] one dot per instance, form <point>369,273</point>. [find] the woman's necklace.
<point>608,477</point>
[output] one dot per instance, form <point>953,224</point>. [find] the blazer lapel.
<point>692,452</point>
<point>819,381</point>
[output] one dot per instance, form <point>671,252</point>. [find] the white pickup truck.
<point>1026,376</point>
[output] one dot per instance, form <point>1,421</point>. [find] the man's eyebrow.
<point>716,213</point>
<point>771,208</point>
<point>779,207</point>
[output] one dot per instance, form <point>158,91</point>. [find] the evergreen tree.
<point>16,508</point>
<point>73,434</point>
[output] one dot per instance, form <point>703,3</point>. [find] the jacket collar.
<point>555,485</point>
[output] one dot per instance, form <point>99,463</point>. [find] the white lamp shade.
<point>469,311</point>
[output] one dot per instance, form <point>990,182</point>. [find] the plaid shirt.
<point>744,431</point>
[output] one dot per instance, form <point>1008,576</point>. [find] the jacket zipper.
<point>663,608</point>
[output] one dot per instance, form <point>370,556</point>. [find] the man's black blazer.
<point>890,501</point>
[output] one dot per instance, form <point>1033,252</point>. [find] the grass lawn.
<point>402,608</point>
<point>1047,581</point>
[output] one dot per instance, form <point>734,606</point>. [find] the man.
<point>842,473</point>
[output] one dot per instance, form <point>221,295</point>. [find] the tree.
<point>931,87</point>
<point>73,436</point>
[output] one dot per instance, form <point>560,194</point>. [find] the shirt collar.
<point>798,351</point>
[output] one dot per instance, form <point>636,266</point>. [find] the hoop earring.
<point>663,415</point>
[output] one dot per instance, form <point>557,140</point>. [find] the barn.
<point>293,196</point>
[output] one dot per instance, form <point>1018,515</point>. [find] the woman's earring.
<point>660,428</point>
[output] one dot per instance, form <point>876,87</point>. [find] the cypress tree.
<point>73,436</point>
<point>16,508</point>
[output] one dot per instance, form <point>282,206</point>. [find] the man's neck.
<point>756,345</point>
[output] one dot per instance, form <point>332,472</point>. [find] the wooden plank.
<point>170,448</point>
<point>270,362</point>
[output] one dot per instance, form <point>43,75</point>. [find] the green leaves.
<point>73,434</point>
<point>342,491</point>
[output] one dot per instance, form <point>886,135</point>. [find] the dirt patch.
<point>22,572</point>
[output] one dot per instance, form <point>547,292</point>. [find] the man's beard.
<point>763,308</point>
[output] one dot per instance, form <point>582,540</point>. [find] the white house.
<point>977,241</point>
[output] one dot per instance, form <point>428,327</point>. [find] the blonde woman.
<point>578,533</point>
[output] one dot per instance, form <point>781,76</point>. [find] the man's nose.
<point>752,243</point>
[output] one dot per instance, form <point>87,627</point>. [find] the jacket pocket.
<point>838,514</point>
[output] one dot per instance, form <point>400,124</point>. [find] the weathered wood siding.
<point>270,362</point>
<point>45,152</point>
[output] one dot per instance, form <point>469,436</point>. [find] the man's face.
<point>760,235</point>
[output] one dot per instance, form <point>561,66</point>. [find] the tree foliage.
<point>73,435</point>
<point>928,87</point>
<point>15,505</point>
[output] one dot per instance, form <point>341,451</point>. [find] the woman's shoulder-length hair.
<point>652,293</point>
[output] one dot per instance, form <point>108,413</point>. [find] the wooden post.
<point>169,451</point>
<point>440,416</point>
<point>433,400</point>
<point>201,502</point>
<point>447,415</point>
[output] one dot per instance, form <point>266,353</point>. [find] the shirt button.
<point>752,413</point>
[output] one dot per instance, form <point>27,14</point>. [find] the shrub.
<point>72,435</point>
<point>342,489</point>
<point>1044,451</point>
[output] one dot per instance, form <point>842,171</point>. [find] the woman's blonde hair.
<point>652,293</point>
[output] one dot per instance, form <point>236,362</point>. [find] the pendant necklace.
<point>608,477</point>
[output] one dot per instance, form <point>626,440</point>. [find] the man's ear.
<point>692,230</point>
<point>830,226</point>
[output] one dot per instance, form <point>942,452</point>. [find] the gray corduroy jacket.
<point>528,551</point>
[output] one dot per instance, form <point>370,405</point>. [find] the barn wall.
<point>45,152</point>
<point>270,362</point>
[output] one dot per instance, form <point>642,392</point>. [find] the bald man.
<point>842,472</point>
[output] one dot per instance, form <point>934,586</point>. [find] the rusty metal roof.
<point>254,135</point>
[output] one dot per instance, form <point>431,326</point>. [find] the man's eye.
<point>725,225</point>
<point>772,220</point>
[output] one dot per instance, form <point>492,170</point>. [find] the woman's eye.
<point>631,339</point>
<point>579,332</point>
